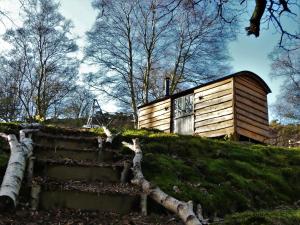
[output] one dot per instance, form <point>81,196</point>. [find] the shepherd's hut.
<point>234,106</point>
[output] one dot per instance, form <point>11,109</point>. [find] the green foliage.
<point>276,217</point>
<point>223,176</point>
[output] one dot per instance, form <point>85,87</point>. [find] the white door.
<point>183,114</point>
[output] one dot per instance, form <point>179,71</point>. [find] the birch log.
<point>183,209</point>
<point>109,135</point>
<point>14,174</point>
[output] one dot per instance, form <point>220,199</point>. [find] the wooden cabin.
<point>234,106</point>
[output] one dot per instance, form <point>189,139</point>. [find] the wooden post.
<point>144,210</point>
<point>125,171</point>
<point>30,170</point>
<point>35,196</point>
<point>100,148</point>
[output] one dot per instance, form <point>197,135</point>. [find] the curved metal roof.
<point>255,77</point>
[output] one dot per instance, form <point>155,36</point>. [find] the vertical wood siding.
<point>251,109</point>
<point>214,114</point>
<point>157,115</point>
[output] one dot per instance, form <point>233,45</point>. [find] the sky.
<point>247,52</point>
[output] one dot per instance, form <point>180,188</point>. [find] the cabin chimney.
<point>167,86</point>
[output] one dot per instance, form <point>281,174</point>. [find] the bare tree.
<point>112,43</point>
<point>135,44</point>
<point>153,27</point>
<point>286,65</point>
<point>9,103</point>
<point>200,52</point>
<point>78,103</point>
<point>42,56</point>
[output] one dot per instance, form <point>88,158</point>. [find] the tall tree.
<point>136,44</point>
<point>199,53</point>
<point>153,26</point>
<point>9,102</point>
<point>286,65</point>
<point>42,56</point>
<point>112,43</point>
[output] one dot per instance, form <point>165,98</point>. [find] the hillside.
<point>245,183</point>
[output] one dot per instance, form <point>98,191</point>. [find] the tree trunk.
<point>183,209</point>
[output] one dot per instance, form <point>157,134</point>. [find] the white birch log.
<point>14,174</point>
<point>109,135</point>
<point>183,209</point>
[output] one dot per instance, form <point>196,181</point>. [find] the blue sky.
<point>247,52</point>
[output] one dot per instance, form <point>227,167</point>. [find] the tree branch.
<point>256,17</point>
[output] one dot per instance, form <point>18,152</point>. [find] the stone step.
<point>79,170</point>
<point>107,155</point>
<point>61,141</point>
<point>118,198</point>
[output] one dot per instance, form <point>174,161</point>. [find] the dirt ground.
<point>79,217</point>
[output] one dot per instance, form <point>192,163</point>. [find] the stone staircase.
<point>71,172</point>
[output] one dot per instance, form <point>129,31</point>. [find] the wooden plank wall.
<point>214,109</point>
<point>251,109</point>
<point>157,115</point>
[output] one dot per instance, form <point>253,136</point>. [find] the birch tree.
<point>111,46</point>
<point>286,66</point>
<point>43,53</point>
<point>199,53</point>
<point>136,44</point>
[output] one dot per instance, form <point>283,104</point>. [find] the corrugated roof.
<point>191,90</point>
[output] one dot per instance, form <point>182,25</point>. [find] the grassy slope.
<point>275,217</point>
<point>225,177</point>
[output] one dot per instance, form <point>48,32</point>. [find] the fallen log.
<point>183,209</point>
<point>20,152</point>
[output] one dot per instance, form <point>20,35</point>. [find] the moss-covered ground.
<point>225,177</point>
<point>263,217</point>
<point>243,182</point>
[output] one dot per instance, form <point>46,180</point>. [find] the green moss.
<point>276,217</point>
<point>225,177</point>
<point>10,128</point>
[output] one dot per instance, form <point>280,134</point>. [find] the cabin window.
<point>183,106</point>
